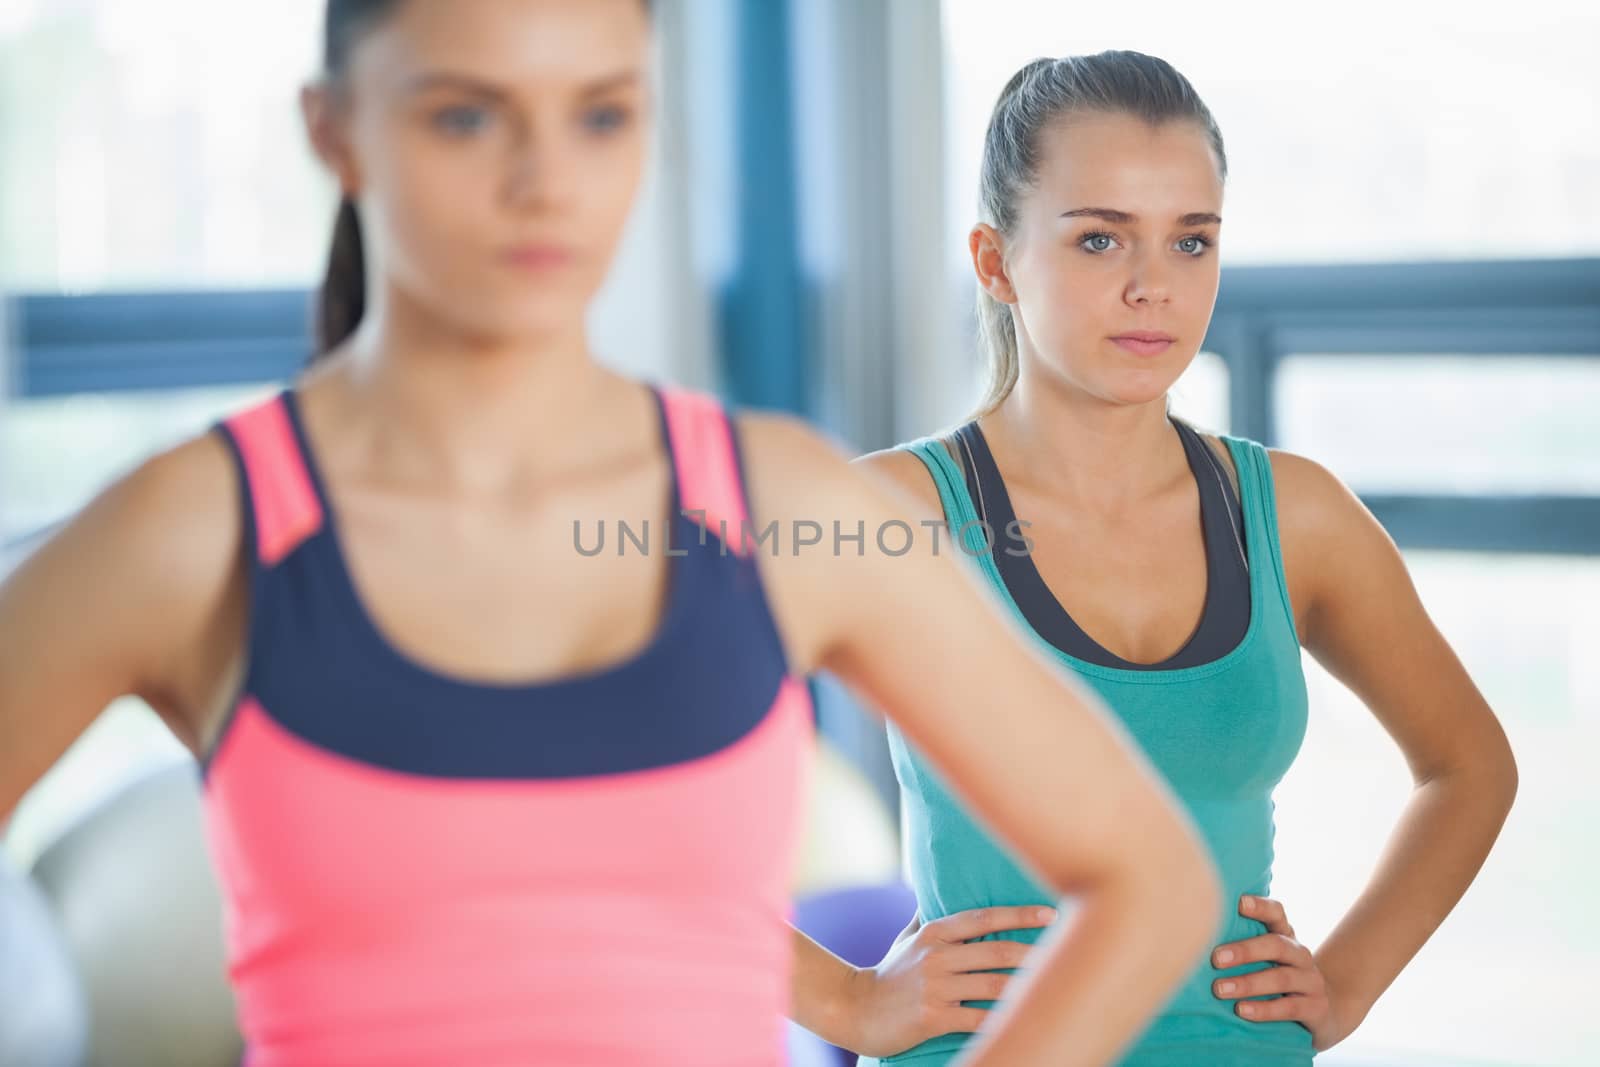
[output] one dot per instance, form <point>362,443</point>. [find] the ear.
<point>324,115</point>
<point>988,262</point>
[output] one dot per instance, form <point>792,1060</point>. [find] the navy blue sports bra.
<point>1226,615</point>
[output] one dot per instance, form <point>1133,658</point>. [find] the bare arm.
<point>819,993</point>
<point>136,595</point>
<point>1361,618</point>
<point>1043,764</point>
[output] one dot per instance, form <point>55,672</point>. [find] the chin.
<point>1139,388</point>
<point>512,321</point>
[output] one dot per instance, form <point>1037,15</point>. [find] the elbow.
<point>1508,771</point>
<point>1489,774</point>
<point>1479,772</point>
<point>1507,779</point>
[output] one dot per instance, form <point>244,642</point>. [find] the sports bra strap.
<point>707,465</point>
<point>282,497</point>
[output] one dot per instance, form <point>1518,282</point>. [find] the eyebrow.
<point>1122,218</point>
<point>620,80</point>
<point>449,80</point>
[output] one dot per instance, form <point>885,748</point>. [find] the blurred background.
<point>1410,295</point>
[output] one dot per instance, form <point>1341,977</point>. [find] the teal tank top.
<point>1222,733</point>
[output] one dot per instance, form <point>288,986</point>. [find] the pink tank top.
<point>422,870</point>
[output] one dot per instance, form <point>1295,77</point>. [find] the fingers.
<point>1296,985</point>
<point>1299,1009</point>
<point>1273,948</point>
<point>984,956</point>
<point>1267,911</point>
<point>1272,981</point>
<point>966,925</point>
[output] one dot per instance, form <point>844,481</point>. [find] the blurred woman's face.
<point>495,148</point>
<point>1115,247</point>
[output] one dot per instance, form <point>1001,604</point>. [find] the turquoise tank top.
<point>1223,733</point>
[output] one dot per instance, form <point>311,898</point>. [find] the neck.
<point>476,411</point>
<point>1072,445</point>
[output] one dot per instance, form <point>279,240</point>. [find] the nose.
<point>539,171</point>
<point>1148,285</point>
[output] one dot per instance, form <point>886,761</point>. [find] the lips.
<point>536,257</point>
<point>1144,342</point>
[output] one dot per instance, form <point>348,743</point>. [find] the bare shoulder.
<point>825,567</point>
<point>1312,501</point>
<point>789,465</point>
<point>906,472</point>
<point>1307,493</point>
<point>168,527</point>
<point>783,452</point>
<point>790,461</point>
<point>130,594</point>
<point>1333,547</point>
<point>779,436</point>
<point>800,485</point>
<point>181,507</point>
<point>182,524</point>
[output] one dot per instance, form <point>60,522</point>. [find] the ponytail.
<point>997,336</point>
<point>343,298</point>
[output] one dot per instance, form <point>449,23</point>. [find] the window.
<point>57,452</point>
<point>1475,136</point>
<point>1513,425</point>
<point>157,146</point>
<point>1201,394</point>
<point>1504,981</point>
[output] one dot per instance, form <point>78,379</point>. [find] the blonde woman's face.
<point>1117,242</point>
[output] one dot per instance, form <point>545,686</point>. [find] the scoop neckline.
<point>377,641</point>
<point>1215,569</point>
<point>952,487</point>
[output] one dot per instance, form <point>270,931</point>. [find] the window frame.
<point>1477,308</point>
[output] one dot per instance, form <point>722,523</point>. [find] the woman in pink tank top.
<point>481,785</point>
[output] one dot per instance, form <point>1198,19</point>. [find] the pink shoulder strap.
<point>706,464</point>
<point>282,496</point>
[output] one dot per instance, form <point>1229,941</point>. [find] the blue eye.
<point>1193,245</point>
<point>605,119</point>
<point>462,121</point>
<point>1096,242</point>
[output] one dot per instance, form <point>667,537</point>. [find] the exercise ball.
<point>132,885</point>
<point>44,1021</point>
<point>806,1049</point>
<point>849,838</point>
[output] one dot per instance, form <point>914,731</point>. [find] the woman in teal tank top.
<point>1223,733</point>
<point>1096,261</point>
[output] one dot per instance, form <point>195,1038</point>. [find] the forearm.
<point>1436,849</point>
<point>819,989</point>
<point>1094,983</point>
